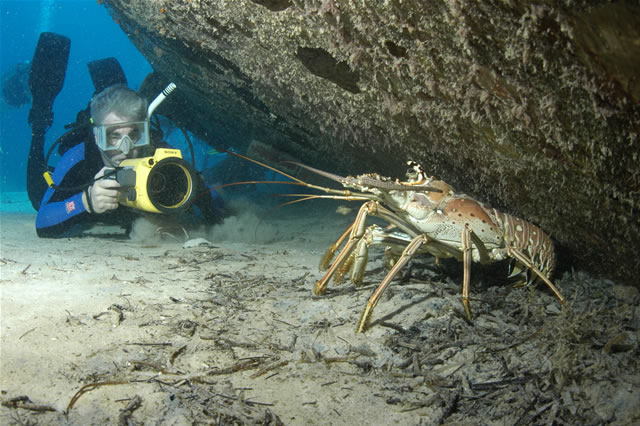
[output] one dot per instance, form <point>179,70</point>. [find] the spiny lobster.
<point>426,216</point>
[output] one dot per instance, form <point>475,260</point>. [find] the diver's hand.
<point>104,193</point>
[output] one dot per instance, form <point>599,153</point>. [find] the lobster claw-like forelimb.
<point>356,232</point>
<point>376,235</point>
<point>333,248</point>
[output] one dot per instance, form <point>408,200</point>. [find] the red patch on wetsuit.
<point>70,206</point>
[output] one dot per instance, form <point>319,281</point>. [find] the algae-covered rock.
<point>529,106</point>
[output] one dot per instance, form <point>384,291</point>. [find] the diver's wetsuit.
<point>61,210</point>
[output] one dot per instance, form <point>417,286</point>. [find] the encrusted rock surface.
<point>530,106</point>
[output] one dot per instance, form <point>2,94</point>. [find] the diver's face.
<point>121,137</point>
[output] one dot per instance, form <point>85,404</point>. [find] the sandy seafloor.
<point>106,330</point>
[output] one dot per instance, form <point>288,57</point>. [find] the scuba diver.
<point>15,86</point>
<point>86,188</point>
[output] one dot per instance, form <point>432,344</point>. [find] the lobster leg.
<point>361,256</point>
<point>372,208</point>
<point>413,247</point>
<point>333,248</point>
<point>468,238</point>
<point>375,235</point>
<point>466,261</point>
<point>517,254</point>
<point>357,231</point>
<point>407,254</point>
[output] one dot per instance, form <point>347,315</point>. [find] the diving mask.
<point>122,137</point>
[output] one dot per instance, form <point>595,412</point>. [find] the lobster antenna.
<point>267,167</point>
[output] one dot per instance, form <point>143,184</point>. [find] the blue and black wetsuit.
<point>61,212</point>
<point>61,209</point>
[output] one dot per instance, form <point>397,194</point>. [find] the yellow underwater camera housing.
<point>162,183</point>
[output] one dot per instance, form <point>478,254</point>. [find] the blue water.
<point>94,35</point>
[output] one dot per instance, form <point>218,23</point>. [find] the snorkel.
<point>159,99</point>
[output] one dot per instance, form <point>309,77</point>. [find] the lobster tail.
<point>529,240</point>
